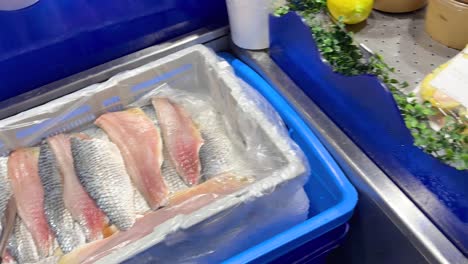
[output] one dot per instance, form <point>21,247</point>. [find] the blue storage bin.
<point>332,197</point>
<point>317,250</point>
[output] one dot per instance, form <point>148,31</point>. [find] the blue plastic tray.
<point>332,197</point>
<point>367,112</point>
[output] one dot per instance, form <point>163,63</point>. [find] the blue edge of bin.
<point>322,231</point>
<point>366,111</point>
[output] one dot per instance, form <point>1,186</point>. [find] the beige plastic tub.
<point>447,22</point>
<point>399,6</point>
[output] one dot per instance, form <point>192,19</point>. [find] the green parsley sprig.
<point>337,47</point>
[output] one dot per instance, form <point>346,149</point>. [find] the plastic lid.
<point>10,5</point>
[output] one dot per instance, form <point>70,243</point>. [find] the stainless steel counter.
<point>402,40</point>
<point>386,228</point>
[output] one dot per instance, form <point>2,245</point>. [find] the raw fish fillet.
<point>183,203</point>
<point>21,245</point>
<point>172,179</point>
<point>29,194</point>
<point>5,189</point>
<point>182,139</point>
<point>102,173</point>
<point>217,155</point>
<point>68,232</point>
<point>140,143</point>
<point>82,208</point>
<point>141,206</point>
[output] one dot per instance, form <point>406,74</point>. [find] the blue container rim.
<point>326,220</point>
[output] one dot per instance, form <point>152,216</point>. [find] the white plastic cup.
<point>10,5</point>
<point>249,23</point>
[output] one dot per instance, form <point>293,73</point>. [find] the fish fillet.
<point>78,202</point>
<point>68,232</point>
<point>102,173</point>
<point>172,179</point>
<point>140,143</point>
<point>217,155</point>
<point>29,194</point>
<point>182,139</point>
<point>21,244</point>
<point>5,189</point>
<point>184,203</point>
<point>141,206</point>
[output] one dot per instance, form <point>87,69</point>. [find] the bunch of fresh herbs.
<point>338,48</point>
<point>449,144</point>
<point>305,6</point>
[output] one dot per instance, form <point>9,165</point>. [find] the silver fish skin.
<point>101,171</point>
<point>172,179</point>
<point>68,232</point>
<point>141,206</point>
<point>5,188</point>
<point>21,244</point>
<point>218,155</point>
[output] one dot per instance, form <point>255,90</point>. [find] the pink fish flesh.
<point>29,193</point>
<point>81,206</point>
<point>181,138</point>
<point>140,143</point>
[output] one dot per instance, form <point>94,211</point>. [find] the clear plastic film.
<point>444,98</point>
<point>249,165</point>
<point>445,90</point>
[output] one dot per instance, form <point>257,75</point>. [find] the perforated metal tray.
<point>402,40</point>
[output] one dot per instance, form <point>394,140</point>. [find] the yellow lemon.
<point>351,11</point>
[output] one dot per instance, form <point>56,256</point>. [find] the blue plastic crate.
<point>317,250</point>
<point>332,197</point>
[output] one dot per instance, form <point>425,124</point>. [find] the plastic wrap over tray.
<point>269,166</point>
